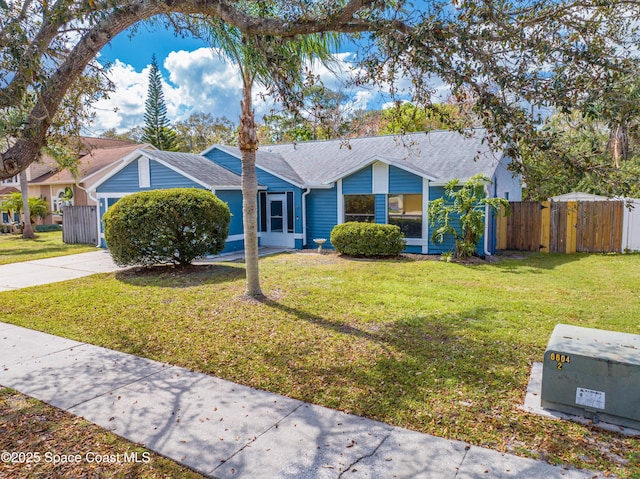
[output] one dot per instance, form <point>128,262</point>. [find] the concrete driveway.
<point>51,270</point>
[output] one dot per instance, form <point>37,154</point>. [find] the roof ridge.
<point>370,137</point>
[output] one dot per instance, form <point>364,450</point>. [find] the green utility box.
<point>593,373</point>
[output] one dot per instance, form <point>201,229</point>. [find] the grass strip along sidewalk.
<point>436,347</point>
<point>15,249</point>
<point>37,440</point>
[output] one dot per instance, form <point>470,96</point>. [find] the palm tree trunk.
<point>27,230</point>
<point>248,143</point>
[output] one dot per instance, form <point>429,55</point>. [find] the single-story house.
<point>147,169</point>
<point>305,189</point>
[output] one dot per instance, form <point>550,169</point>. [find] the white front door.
<point>276,234</point>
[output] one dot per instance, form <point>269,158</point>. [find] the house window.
<point>405,211</point>
<point>11,181</point>
<point>360,208</point>
<point>58,201</point>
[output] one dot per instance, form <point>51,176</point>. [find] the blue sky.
<point>196,80</point>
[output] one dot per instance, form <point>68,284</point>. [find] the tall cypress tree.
<point>157,131</point>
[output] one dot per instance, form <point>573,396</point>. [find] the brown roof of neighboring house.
<point>7,190</point>
<point>90,164</point>
<point>90,144</point>
<point>84,146</point>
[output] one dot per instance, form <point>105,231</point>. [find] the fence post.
<point>572,222</point>
<point>501,229</point>
<point>545,226</point>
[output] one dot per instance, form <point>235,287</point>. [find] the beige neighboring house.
<point>97,158</point>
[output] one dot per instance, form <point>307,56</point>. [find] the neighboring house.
<point>308,188</point>
<point>6,190</point>
<point>96,157</point>
<point>578,196</point>
<point>55,184</point>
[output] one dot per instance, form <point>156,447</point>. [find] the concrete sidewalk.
<point>62,268</point>
<point>225,430</point>
<point>52,270</point>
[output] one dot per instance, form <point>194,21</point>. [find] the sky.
<point>195,80</point>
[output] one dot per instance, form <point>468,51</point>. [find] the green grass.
<point>13,248</point>
<point>436,347</point>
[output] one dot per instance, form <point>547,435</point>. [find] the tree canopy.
<point>507,54</point>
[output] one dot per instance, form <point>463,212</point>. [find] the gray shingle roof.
<point>198,167</point>
<point>272,163</point>
<point>438,155</point>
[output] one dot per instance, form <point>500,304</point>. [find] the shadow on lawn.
<point>522,262</point>
<point>421,355</point>
<point>170,276</point>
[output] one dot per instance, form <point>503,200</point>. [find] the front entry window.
<point>359,208</point>
<point>277,219</point>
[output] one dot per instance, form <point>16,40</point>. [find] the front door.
<point>276,234</point>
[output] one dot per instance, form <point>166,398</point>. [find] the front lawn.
<point>436,347</point>
<point>13,248</point>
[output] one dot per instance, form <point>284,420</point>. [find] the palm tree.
<point>275,63</point>
<point>37,208</point>
<point>27,230</point>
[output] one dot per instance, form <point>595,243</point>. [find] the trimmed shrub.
<point>172,226</point>
<point>46,228</point>
<point>367,239</point>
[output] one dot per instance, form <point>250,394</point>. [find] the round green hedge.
<point>173,226</point>
<point>368,239</point>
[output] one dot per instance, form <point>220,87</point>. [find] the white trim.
<point>380,178</point>
<point>239,237</point>
<point>417,242</point>
<point>486,229</point>
<point>144,172</point>
<point>372,160</point>
<point>340,202</point>
<point>425,215</point>
<point>114,195</point>
<point>124,162</point>
<point>304,216</point>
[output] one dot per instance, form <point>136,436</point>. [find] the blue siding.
<point>126,180</point>
<point>232,246</point>
<point>381,209</point>
<point>401,181</point>
<point>163,177</point>
<point>449,243</point>
<point>273,183</point>
<point>297,213</point>
<point>322,214</point>
<point>413,249</point>
<point>225,159</point>
<point>234,201</point>
<point>359,183</point>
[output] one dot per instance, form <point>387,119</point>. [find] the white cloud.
<point>201,81</point>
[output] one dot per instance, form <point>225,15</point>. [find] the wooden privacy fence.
<point>562,227</point>
<point>79,225</point>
